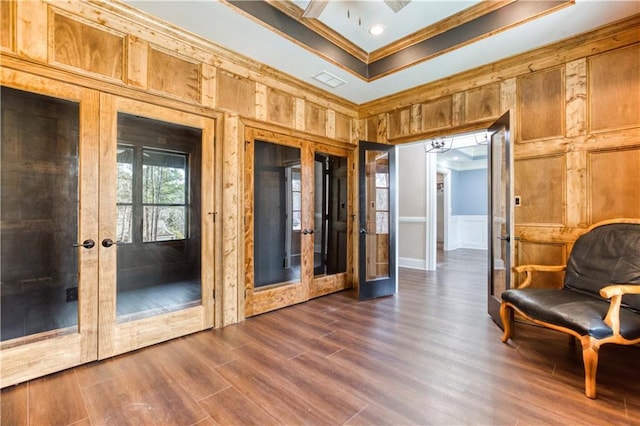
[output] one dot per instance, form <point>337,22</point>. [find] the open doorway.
<point>442,198</point>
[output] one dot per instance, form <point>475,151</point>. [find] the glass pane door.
<point>377,220</point>
<point>47,240</point>
<point>156,245</point>
<point>158,216</point>
<point>500,213</point>
<point>330,214</point>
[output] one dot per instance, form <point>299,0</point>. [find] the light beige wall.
<point>412,205</point>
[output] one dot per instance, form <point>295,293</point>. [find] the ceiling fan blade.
<point>314,8</point>
<point>396,5</point>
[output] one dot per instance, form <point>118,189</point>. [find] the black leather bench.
<point>599,301</point>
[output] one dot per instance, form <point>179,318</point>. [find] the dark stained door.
<point>377,242</point>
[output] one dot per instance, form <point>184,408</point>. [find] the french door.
<point>297,209</point>
<point>106,244</point>
<point>501,234</point>
<point>377,246</point>
<point>156,236</point>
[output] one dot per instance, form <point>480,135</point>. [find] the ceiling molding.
<point>474,23</point>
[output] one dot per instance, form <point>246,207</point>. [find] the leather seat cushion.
<point>608,254</point>
<point>576,311</point>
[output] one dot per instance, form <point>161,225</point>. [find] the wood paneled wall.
<point>114,48</point>
<point>577,136</point>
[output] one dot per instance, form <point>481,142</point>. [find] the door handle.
<point>363,231</point>
<point>307,231</point>
<point>107,242</point>
<point>507,238</point>
<point>86,244</point>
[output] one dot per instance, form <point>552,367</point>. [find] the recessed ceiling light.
<point>375,30</point>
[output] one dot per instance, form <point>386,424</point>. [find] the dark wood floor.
<point>429,355</point>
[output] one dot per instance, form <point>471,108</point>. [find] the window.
<point>382,202</point>
<point>152,190</point>
<point>296,200</point>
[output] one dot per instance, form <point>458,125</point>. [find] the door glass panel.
<point>499,210</point>
<point>39,211</point>
<point>330,214</point>
<point>158,222</point>
<point>277,223</point>
<point>377,214</point>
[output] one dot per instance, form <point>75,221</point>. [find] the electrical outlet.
<point>72,294</point>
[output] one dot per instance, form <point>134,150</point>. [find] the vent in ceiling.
<point>329,79</point>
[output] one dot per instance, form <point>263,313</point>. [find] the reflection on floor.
<point>46,310</point>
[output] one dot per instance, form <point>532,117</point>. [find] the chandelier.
<point>437,146</point>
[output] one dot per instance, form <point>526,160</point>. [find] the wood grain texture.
<point>315,119</point>
<point>88,48</point>
<point>280,107</point>
<point>614,82</point>
<point>540,184</point>
<point>235,93</point>
<point>540,253</point>
<point>614,183</point>
<point>437,114</point>
<point>335,360</point>
<point>541,104</point>
<point>173,75</point>
<point>399,123</point>
<point>8,23</point>
<point>482,103</point>
<point>576,97</point>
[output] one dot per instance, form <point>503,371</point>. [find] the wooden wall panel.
<point>614,83</point>
<point>137,62</point>
<point>235,93</point>
<point>437,114</point>
<point>614,184</point>
<point>315,119</point>
<point>542,253</point>
<point>88,48</point>
<point>400,123</point>
<point>576,98</point>
<point>173,75</point>
<point>540,183</point>
<point>280,107</point>
<point>371,129</point>
<point>482,103</point>
<point>343,127</point>
<point>7,23</point>
<point>541,104</point>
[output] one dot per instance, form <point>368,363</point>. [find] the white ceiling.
<point>226,27</point>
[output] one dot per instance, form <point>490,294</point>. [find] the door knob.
<point>107,242</point>
<point>363,231</point>
<point>86,244</point>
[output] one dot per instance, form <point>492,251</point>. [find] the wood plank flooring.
<point>430,355</point>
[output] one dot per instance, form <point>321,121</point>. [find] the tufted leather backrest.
<point>608,254</point>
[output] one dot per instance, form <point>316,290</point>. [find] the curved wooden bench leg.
<point>506,315</point>
<point>590,359</point>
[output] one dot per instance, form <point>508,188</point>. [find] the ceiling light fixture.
<point>438,146</point>
<point>376,29</point>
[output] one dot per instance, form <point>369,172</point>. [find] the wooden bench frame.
<point>590,345</point>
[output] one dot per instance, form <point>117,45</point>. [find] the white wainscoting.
<point>467,232</point>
